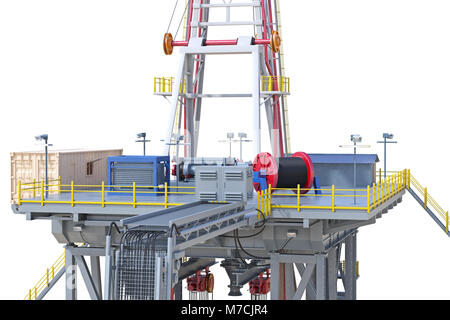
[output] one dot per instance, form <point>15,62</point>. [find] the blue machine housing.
<point>143,170</point>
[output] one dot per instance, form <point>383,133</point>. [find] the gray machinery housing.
<point>223,183</point>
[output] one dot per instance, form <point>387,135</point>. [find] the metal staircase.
<point>48,280</point>
<point>428,203</point>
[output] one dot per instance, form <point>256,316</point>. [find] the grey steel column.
<point>289,276</point>
<point>332,274</point>
<point>71,275</point>
<point>169,267</point>
<point>275,277</point>
<point>311,288</point>
<point>108,264</point>
<point>178,290</point>
<point>321,277</point>
<point>96,274</point>
<point>350,267</point>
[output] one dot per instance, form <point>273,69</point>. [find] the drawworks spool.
<point>286,172</point>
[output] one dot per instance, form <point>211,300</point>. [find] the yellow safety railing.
<point>165,85</point>
<point>48,276</point>
<point>279,84</point>
<point>103,190</point>
<point>373,196</point>
<point>428,200</point>
<point>33,188</point>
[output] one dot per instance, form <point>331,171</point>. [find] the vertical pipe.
<point>107,285</point>
<point>59,184</point>
<point>34,188</point>
<point>46,167</point>
<point>298,198</point>
<point>385,158</point>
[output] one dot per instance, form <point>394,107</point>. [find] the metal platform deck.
<point>117,206</point>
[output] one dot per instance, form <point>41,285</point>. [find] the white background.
<point>82,71</point>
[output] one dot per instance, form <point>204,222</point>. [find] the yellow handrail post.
<point>378,194</point>
<point>47,278</point>
<point>258,204</point>
<point>42,193</point>
<point>265,202</point>
<point>165,195</point>
<point>446,222</point>
<point>71,193</point>
<point>373,194</point>
<point>368,199</point>
<point>154,84</point>
<point>19,192</point>
<point>380,176</point>
<point>59,184</point>
<point>409,178</point>
<point>391,185</point>
<point>425,200</point>
<point>103,194</point>
<point>332,198</point>
<point>29,294</point>
<point>34,188</point>
<point>53,272</point>
<point>35,293</point>
<point>298,198</point>
<point>396,182</point>
<point>134,194</point>
<point>270,199</point>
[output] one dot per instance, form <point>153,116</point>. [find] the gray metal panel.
<point>224,183</point>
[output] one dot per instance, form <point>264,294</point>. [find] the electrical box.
<point>223,183</point>
<point>146,171</point>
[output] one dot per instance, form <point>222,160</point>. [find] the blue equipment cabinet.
<point>143,170</point>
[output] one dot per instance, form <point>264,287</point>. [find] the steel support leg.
<point>332,274</point>
<point>350,267</point>
<point>289,281</point>
<point>321,277</point>
<point>90,285</point>
<point>96,273</point>
<point>275,278</point>
<point>71,275</point>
